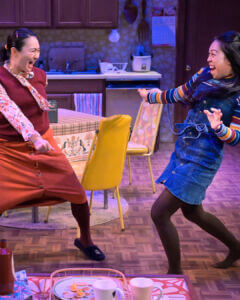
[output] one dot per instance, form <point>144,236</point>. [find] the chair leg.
<point>129,170</point>
<point>90,205</point>
<point>151,174</point>
<point>78,232</point>
<point>120,209</point>
<point>47,215</point>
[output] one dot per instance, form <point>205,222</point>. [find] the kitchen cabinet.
<point>63,90</point>
<point>63,100</point>
<point>69,13</point>
<point>35,13</point>
<point>61,87</point>
<point>25,13</point>
<point>59,13</point>
<point>102,13</point>
<point>85,13</point>
<point>9,13</point>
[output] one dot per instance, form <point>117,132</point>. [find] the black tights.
<point>162,210</point>
<point>82,216</point>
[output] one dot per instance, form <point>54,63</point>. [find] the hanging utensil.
<point>143,27</point>
<point>130,11</point>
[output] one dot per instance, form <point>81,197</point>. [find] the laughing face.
<point>23,61</point>
<point>220,66</point>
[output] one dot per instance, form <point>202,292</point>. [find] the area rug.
<point>61,217</point>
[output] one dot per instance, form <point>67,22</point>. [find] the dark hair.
<point>230,45</point>
<point>16,39</point>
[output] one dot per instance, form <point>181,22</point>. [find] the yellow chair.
<point>105,163</point>
<point>144,133</point>
<point>106,158</point>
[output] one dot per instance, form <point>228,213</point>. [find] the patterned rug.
<point>61,217</point>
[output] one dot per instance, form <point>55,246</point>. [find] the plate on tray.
<point>74,288</point>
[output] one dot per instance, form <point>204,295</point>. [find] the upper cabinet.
<point>102,13</point>
<point>9,13</point>
<point>25,13</point>
<point>35,13</point>
<point>69,13</point>
<point>59,13</point>
<point>85,13</point>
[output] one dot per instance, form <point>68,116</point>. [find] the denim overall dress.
<point>198,151</point>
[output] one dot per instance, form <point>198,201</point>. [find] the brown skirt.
<point>28,178</point>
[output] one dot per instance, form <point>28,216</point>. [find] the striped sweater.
<point>230,134</point>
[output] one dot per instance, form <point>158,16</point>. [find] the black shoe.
<point>92,252</point>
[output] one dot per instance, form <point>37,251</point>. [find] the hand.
<point>143,93</point>
<point>41,145</point>
<point>214,117</point>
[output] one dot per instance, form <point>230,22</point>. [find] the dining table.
<point>46,287</point>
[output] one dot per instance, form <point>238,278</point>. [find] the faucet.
<point>69,65</point>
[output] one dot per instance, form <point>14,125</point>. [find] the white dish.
<point>62,289</point>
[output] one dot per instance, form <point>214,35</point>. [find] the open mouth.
<point>212,68</point>
<point>30,64</point>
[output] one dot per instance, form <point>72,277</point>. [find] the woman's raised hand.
<point>214,117</point>
<point>143,93</point>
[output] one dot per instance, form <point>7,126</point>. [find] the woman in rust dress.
<point>33,170</point>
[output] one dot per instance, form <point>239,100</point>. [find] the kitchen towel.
<point>89,103</point>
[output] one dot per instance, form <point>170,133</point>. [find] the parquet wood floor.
<point>138,250</point>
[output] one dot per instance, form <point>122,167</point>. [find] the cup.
<point>142,287</point>
<point>106,289</point>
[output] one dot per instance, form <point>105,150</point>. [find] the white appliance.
<point>141,63</point>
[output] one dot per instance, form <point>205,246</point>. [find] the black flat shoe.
<point>92,252</point>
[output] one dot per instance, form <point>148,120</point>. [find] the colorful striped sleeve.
<point>231,135</point>
<point>173,95</point>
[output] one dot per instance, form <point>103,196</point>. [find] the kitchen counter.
<point>118,90</point>
<point>152,75</point>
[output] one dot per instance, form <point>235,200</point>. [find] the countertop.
<point>152,75</point>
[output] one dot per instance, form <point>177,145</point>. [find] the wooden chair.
<point>144,133</point>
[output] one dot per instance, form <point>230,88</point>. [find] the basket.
<point>60,275</point>
<point>106,67</point>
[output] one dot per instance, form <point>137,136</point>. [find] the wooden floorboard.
<point>138,250</point>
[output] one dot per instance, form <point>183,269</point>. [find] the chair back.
<point>146,125</point>
<point>105,163</point>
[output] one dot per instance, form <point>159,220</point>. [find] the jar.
<point>7,273</point>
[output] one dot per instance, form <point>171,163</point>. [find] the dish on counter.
<point>77,288</point>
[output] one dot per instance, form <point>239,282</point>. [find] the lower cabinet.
<point>63,91</point>
<point>63,100</point>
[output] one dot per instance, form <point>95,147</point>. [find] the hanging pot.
<point>130,11</point>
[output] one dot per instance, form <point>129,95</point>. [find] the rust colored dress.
<point>28,178</point>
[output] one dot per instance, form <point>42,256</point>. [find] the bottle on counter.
<point>6,269</point>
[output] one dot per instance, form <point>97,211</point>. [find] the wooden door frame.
<point>179,109</point>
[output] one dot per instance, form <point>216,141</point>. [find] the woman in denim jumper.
<point>214,119</point>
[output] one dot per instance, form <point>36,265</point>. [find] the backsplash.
<point>97,46</point>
